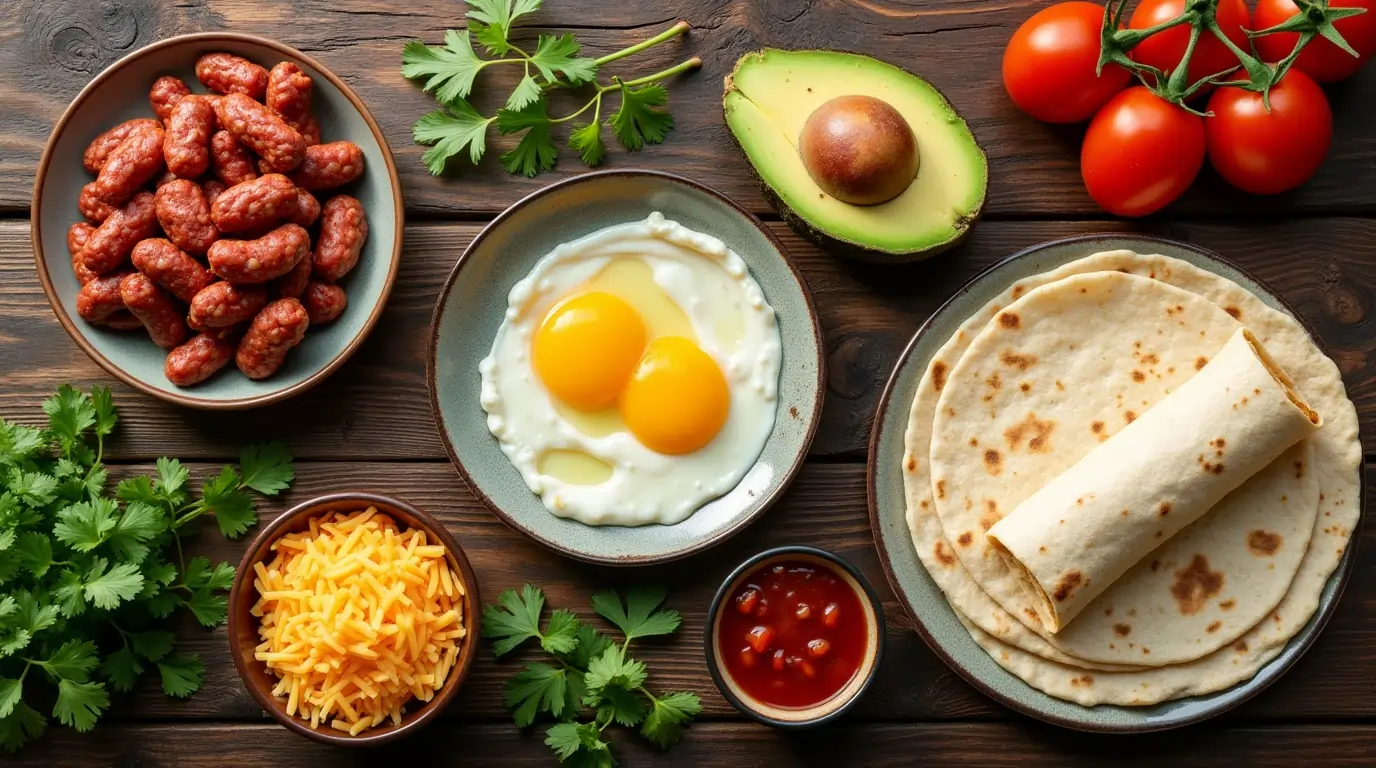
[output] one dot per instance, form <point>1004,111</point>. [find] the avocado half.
<point>769,96</point>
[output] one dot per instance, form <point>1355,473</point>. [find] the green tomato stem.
<point>667,34</point>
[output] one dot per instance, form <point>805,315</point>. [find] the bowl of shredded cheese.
<point>353,618</point>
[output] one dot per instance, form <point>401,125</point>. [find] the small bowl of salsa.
<point>796,636</point>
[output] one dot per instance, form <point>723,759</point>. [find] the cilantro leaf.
<point>73,661</point>
<point>637,122</point>
<point>33,488</point>
<point>104,407</point>
<point>514,620</point>
<point>266,468</point>
<point>449,70</point>
<point>233,508</point>
<point>197,573</point>
<point>564,739</point>
<point>591,644</point>
<point>85,525</point>
<point>31,615</point>
<point>162,604</point>
<point>450,130</point>
<point>561,634</point>
<point>560,54</point>
<point>493,21</point>
<point>537,688</point>
<point>613,668</point>
<point>580,745</point>
<point>586,140</point>
<point>139,488</point>
<point>159,573</point>
<point>8,606</point>
<point>638,618</point>
<point>171,483</point>
<point>139,524</point>
<point>121,669</point>
<point>70,413</point>
<point>80,704</point>
<point>34,553</point>
<point>536,152</point>
<point>22,725</point>
<point>625,707</point>
<point>668,714</point>
<point>69,593</point>
<point>107,589</point>
<point>11,690</point>
<point>209,608</point>
<point>181,675</point>
<point>221,577</point>
<point>14,642</point>
<point>526,93</point>
<point>18,442</point>
<point>7,539</point>
<point>153,644</point>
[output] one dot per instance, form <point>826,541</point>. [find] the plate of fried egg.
<point>626,366</point>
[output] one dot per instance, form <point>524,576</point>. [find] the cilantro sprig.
<point>588,673</point>
<point>87,578</point>
<point>450,71</point>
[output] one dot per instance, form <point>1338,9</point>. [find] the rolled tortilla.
<point>1075,536</point>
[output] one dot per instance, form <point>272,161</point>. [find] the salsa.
<point>792,634</point>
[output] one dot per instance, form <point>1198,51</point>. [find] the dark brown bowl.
<point>120,93</point>
<point>243,627</point>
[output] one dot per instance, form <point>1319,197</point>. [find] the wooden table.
<point>370,426</point>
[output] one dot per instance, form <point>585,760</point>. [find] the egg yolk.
<point>677,399</point>
<point>587,348</point>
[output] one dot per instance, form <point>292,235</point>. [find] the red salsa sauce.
<point>792,634</point>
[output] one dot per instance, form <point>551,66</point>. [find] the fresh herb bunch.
<point>87,579</point>
<point>590,671</point>
<point>450,70</point>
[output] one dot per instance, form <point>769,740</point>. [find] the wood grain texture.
<point>970,745</point>
<point>825,507</point>
<point>376,406</point>
<point>48,51</point>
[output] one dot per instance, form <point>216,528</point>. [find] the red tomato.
<point>1164,50</point>
<point>1140,153</point>
<point>1048,67</point>
<point>1321,60</point>
<point>1265,153</point>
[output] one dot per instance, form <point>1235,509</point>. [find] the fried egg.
<point>635,374</point>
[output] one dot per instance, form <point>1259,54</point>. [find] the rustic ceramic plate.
<point>924,601</point>
<point>474,300</point>
<point>121,93</point>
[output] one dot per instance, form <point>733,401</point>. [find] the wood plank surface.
<point>825,507</point>
<point>49,50</point>
<point>377,406</point>
<point>972,745</point>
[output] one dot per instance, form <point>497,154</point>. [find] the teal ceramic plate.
<point>474,300</point>
<point>933,616</point>
<point>121,93</point>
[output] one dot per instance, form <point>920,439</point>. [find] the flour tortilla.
<point>1337,457</point>
<point>1076,534</point>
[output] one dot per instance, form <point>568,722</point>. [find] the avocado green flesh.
<point>772,93</point>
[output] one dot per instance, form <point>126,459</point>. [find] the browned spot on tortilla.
<point>951,412</point>
<point>1025,387</point>
<point>912,463</point>
<point>1122,630</point>
<point>1083,681</point>
<point>994,382</point>
<point>1234,311</point>
<point>1241,646</point>
<point>1159,534</point>
<point>1155,565</point>
<point>1164,509</point>
<point>992,506</point>
<point>1097,427</point>
<point>1263,543</point>
<point>987,521</point>
<point>1067,586</point>
<point>1214,627</point>
<point>1150,358</point>
<point>938,375</point>
<point>1108,611</point>
<point>993,461</point>
<point>1129,417</point>
<point>1139,377</point>
<point>974,442</point>
<point>1145,650</point>
<point>1017,290</point>
<point>946,558</point>
<point>1209,467</point>
<point>941,489</point>
<point>1032,615</point>
<point>1010,320</point>
<point>968,504</point>
<point>1200,362</point>
<point>1125,512</point>
<point>1042,550</point>
<point>1299,469</point>
<point>1036,432</point>
<point>1227,605</point>
<point>1195,584</point>
<point>965,539</point>
<point>1015,360</point>
<point>1059,385</point>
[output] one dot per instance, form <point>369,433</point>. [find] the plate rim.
<point>1321,618</point>
<point>201,402</point>
<point>785,478</point>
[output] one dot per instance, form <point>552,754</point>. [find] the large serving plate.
<point>474,300</point>
<point>934,618</point>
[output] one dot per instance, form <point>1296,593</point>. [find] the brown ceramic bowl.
<point>830,708</point>
<point>121,93</point>
<point>243,626</point>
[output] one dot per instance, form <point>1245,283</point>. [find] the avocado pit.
<point>859,149</point>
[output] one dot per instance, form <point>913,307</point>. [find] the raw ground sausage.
<point>164,95</point>
<point>170,267</point>
<point>260,260</point>
<point>109,246</point>
<point>307,208</point>
<point>226,73</point>
<point>293,284</point>
<point>221,305</point>
<point>213,189</point>
<point>184,214</point>
<point>136,161</point>
<point>230,160</point>
<point>186,142</point>
<point>100,298</point>
<point>256,127</point>
<point>289,95</point>
<point>200,357</point>
<point>90,207</point>
<point>324,302</point>
<point>326,166</point>
<point>101,146</point>
<point>343,230</point>
<point>255,204</point>
<point>275,330</point>
<point>152,306</point>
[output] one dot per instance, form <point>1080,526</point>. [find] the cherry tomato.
<point>1321,60</point>
<point>1165,49</point>
<point>1048,67</point>
<point>1140,153</point>
<point>1265,153</point>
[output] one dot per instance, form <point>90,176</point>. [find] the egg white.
<point>706,280</point>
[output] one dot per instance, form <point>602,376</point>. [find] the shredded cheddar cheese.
<point>356,619</point>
